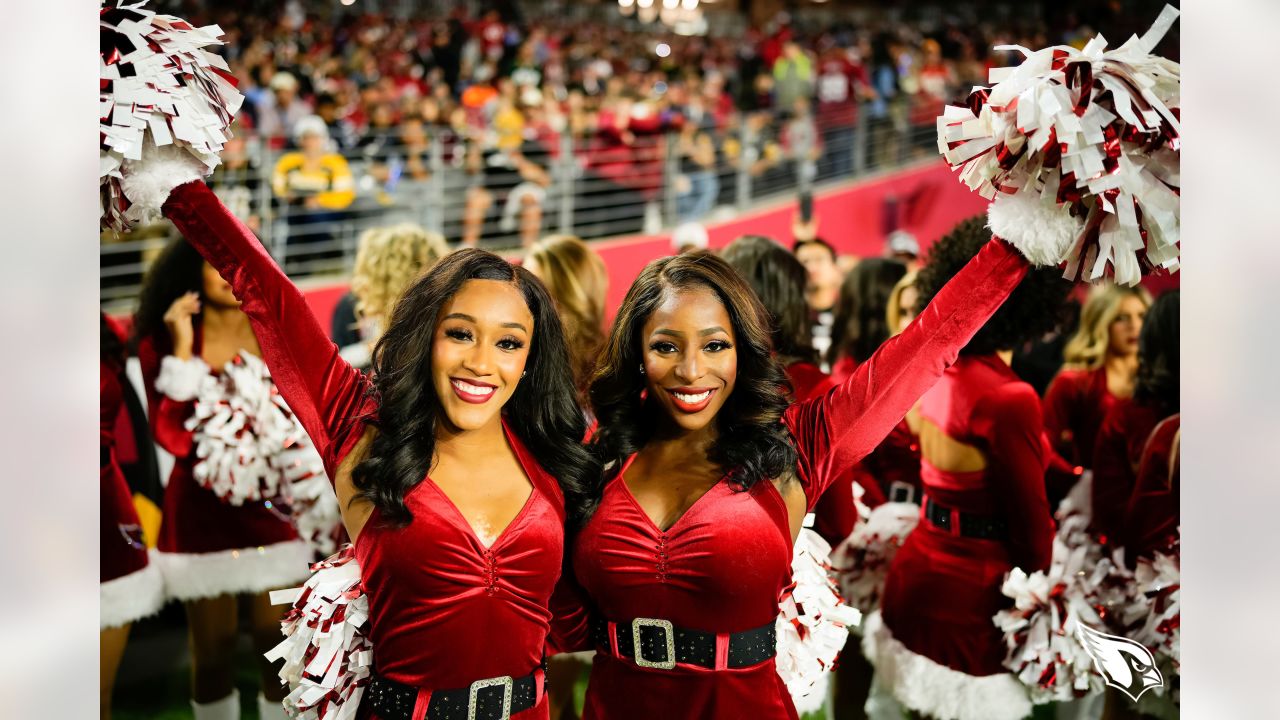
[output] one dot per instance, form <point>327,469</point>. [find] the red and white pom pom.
<point>862,560</point>
<point>328,658</point>
<point>1092,139</point>
<point>239,429</point>
<point>813,623</point>
<point>1158,604</point>
<point>157,86</point>
<point>312,502</point>
<point>1086,584</point>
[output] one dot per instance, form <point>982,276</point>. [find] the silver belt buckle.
<point>473,699</point>
<point>670,633</point>
<point>907,491</point>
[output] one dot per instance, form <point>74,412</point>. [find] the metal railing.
<point>593,187</point>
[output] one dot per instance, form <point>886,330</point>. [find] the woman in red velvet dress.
<point>1127,428</point>
<point>212,553</point>
<point>1152,517</point>
<point>452,464</point>
<point>934,644</point>
<point>709,472</point>
<point>131,586</point>
<point>1100,362</point>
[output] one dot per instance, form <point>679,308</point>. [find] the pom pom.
<point>328,658</point>
<point>862,560</point>
<point>1158,604</point>
<point>1096,133</point>
<point>157,85</point>
<point>812,624</point>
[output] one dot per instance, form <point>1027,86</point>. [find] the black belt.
<point>492,699</point>
<point>662,645</point>
<point>982,527</point>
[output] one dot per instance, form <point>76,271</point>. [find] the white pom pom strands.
<point>157,83</point>
<point>328,658</point>
<point>1093,134</point>
<point>862,560</point>
<point>812,624</point>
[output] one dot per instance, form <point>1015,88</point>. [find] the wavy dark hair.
<point>1031,310</point>
<point>778,279</point>
<point>179,269</point>
<point>861,317</point>
<point>543,411</point>
<point>1159,356</point>
<point>752,444</point>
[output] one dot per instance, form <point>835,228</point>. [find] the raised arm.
<point>834,431</point>
<point>329,397</point>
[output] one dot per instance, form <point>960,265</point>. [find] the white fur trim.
<point>936,690</point>
<point>148,182</point>
<point>181,379</point>
<point>1043,232</point>
<point>131,597</point>
<point>191,576</point>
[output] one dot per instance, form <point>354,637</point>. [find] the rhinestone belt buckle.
<point>667,630</point>
<point>473,700</point>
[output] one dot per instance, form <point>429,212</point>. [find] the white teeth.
<point>470,389</point>
<point>693,399</point>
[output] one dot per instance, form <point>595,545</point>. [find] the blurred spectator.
<point>314,183</point>
<point>697,186</point>
<point>792,75</point>
<point>903,247</point>
<point>822,290</point>
<point>237,181</point>
<point>280,110</point>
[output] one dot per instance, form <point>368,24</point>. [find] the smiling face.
<point>690,362</point>
<point>1126,327</point>
<point>479,351</point>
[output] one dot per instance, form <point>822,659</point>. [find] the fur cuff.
<point>181,379</point>
<point>937,690</point>
<point>148,182</point>
<point>1043,232</point>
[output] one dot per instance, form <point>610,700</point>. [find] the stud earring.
<point>523,373</point>
<point>641,368</point>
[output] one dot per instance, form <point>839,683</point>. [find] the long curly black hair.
<point>861,317</point>
<point>778,279</point>
<point>179,269</point>
<point>1031,310</point>
<point>543,411</point>
<point>1159,357</point>
<point>752,444</point>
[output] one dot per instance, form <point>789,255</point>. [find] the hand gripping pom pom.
<point>1090,140</point>
<point>158,88</point>
<point>328,658</point>
<point>812,624</point>
<point>1085,584</point>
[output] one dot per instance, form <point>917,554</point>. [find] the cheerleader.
<point>934,644</point>
<point>1129,424</point>
<point>131,587</point>
<point>218,558</point>
<point>1152,518</point>
<point>710,472</point>
<point>1101,360</point>
<point>453,464</point>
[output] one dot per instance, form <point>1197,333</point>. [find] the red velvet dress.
<point>1074,407</point>
<point>1152,517</point>
<point>942,588</point>
<point>445,610</point>
<point>131,588</point>
<point>208,547</point>
<point>722,566</point>
<point>1118,451</point>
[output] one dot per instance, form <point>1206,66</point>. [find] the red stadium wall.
<point>925,200</point>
